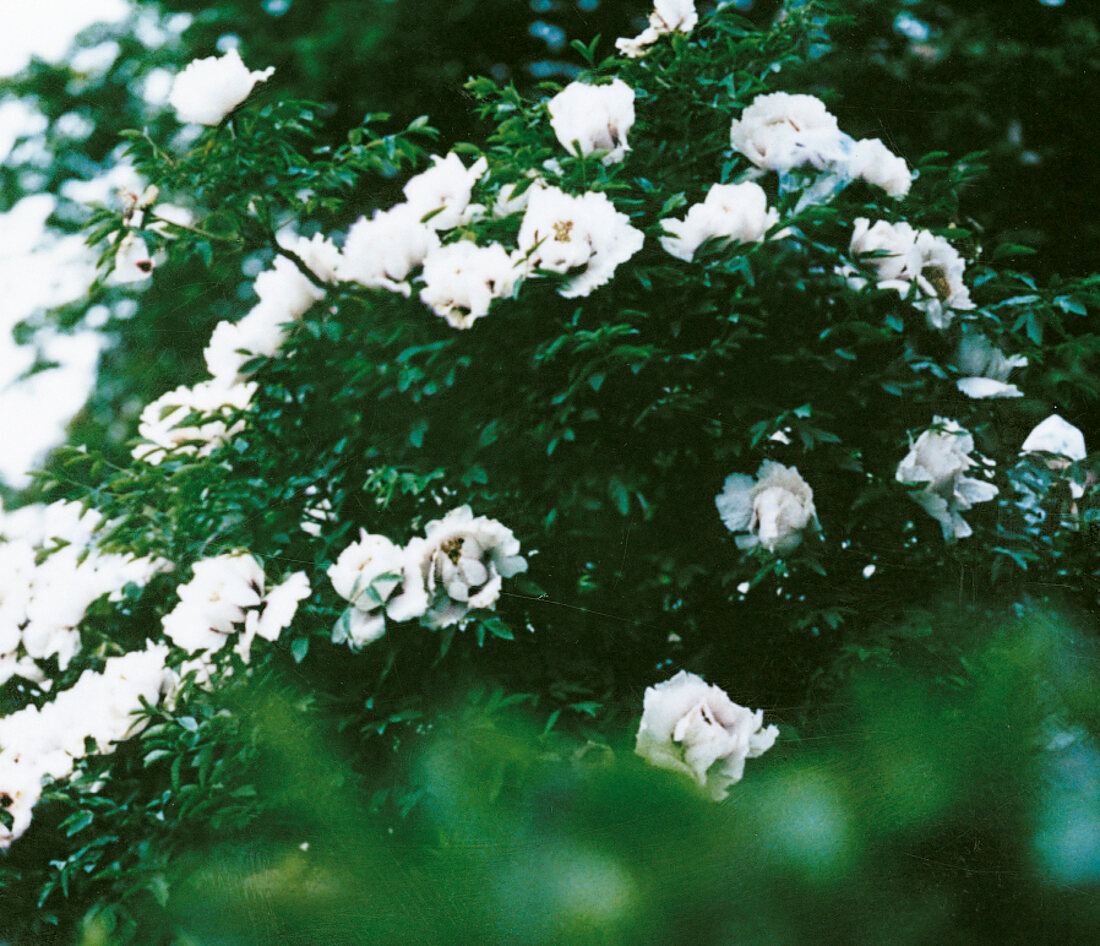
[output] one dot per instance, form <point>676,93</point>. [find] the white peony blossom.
<point>379,579</point>
<point>780,131</point>
<point>904,257</point>
<point>1056,436</point>
<point>39,743</point>
<point>871,161</point>
<point>584,235</point>
<point>936,466</point>
<point>774,509</point>
<point>463,561</point>
<point>692,727</point>
<point>508,201</point>
<point>986,368</point>
<point>381,252</point>
<point>668,16</point>
<point>164,428</point>
<point>595,118</point>
<point>737,212</point>
<point>209,89</point>
<point>462,279</point>
<point>444,191</point>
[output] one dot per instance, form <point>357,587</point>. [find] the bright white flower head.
<point>463,561</point>
<point>381,252</point>
<point>668,16</point>
<point>692,727</point>
<point>936,466</point>
<point>133,260</point>
<point>595,117</point>
<point>895,246</point>
<point>1057,436</point>
<point>986,368</point>
<point>209,89</point>
<point>161,420</point>
<point>870,160</point>
<point>779,132</point>
<point>940,278</point>
<point>737,212</point>
<point>774,509</point>
<point>444,191</point>
<point>379,579</point>
<point>508,202</point>
<point>585,235</point>
<point>462,279</point>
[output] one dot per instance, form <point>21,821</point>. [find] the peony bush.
<point>668,397</point>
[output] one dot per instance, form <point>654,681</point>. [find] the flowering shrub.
<point>663,272</point>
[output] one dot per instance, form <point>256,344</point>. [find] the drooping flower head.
<point>1056,436</point>
<point>737,212</point>
<point>693,727</point>
<point>774,509</point>
<point>668,16</point>
<point>209,89</point>
<point>986,367</point>
<point>936,467</point>
<point>594,117</point>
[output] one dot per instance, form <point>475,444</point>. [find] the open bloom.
<point>379,579</point>
<point>167,425</point>
<point>462,279</point>
<point>693,727</point>
<point>585,236</point>
<point>904,257</point>
<point>986,368</point>
<point>737,212</point>
<point>463,561</point>
<point>774,509</point>
<point>935,467</point>
<point>444,191</point>
<point>209,89</point>
<point>594,117</point>
<point>381,252</point>
<point>668,16</point>
<point>780,131</point>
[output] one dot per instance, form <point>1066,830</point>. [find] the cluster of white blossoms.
<point>39,743</point>
<point>668,16</point>
<point>735,212</point>
<point>457,566</point>
<point>783,132</point>
<point>936,468</point>
<point>225,597</point>
<point>693,727</point>
<point>594,118</point>
<point>907,261</point>
<point>772,510</point>
<point>207,90</point>
<point>50,573</point>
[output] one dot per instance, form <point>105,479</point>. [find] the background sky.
<point>35,270</point>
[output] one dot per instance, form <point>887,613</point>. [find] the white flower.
<point>463,561</point>
<point>1056,436</point>
<point>585,235</point>
<point>160,420</point>
<point>872,161</point>
<point>668,16</point>
<point>779,132</point>
<point>936,464</point>
<point>737,212</point>
<point>462,279</point>
<point>774,509</point>
<point>133,260</point>
<point>378,578</point>
<point>692,727</point>
<point>444,191</point>
<point>280,605</point>
<point>909,256</point>
<point>508,202</point>
<point>209,89</point>
<point>381,252</point>
<point>594,117</point>
<point>986,367</point>
<point>213,602</point>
